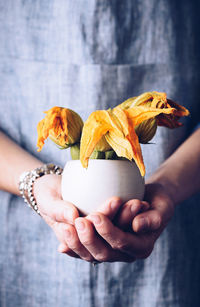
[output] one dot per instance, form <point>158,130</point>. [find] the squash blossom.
<point>102,145</point>
<point>114,132</point>
<point>118,128</point>
<point>147,129</point>
<point>63,126</point>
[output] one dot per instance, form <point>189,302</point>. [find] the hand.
<point>56,212</point>
<point>104,241</point>
<point>60,215</point>
<point>161,210</point>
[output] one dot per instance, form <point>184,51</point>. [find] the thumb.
<point>147,221</point>
<point>60,211</point>
<point>162,209</point>
<point>110,207</point>
<point>48,198</point>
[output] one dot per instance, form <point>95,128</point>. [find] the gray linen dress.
<point>89,55</point>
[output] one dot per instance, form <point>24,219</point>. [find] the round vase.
<point>88,188</point>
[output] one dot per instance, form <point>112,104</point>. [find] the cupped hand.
<point>60,215</point>
<point>158,216</point>
<point>96,238</point>
<point>122,234</point>
<point>115,232</point>
<point>56,212</point>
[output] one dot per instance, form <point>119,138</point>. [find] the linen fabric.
<point>89,55</point>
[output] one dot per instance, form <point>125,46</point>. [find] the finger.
<point>160,201</point>
<point>59,230</point>
<point>147,221</point>
<point>60,211</point>
<point>97,247</point>
<point>90,240</point>
<point>46,190</point>
<point>64,249</point>
<point>72,240</point>
<point>110,207</point>
<point>124,242</point>
<point>128,211</point>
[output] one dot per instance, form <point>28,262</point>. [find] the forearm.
<point>180,173</point>
<point>13,161</point>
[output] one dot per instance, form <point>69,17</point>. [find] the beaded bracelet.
<point>27,180</point>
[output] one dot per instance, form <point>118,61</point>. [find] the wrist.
<point>27,180</point>
<point>166,185</point>
<point>25,169</point>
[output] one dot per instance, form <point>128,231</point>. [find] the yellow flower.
<point>111,132</point>
<point>147,129</point>
<point>63,126</point>
<point>148,99</point>
<point>172,120</point>
<point>118,128</point>
<point>102,145</point>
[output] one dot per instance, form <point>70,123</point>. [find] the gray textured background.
<point>89,55</point>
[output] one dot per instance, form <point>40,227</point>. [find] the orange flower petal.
<point>96,126</point>
<point>104,123</point>
<point>137,152</point>
<point>41,139</point>
<point>138,114</point>
<point>120,144</point>
<point>179,110</point>
<point>62,125</point>
<point>54,124</point>
<point>132,138</point>
<point>171,120</point>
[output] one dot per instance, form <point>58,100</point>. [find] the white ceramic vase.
<point>88,188</point>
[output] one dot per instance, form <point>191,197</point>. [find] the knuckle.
<point>120,245</point>
<point>102,257</point>
<point>74,245</point>
<point>88,240</point>
<point>124,246</point>
<point>73,241</point>
<point>104,232</point>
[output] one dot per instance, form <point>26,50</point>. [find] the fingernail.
<point>80,225</point>
<point>96,219</point>
<point>133,209</point>
<point>143,224</point>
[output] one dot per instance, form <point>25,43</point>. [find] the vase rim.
<point>101,161</point>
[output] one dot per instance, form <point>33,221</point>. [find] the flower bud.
<point>63,126</point>
<point>146,130</point>
<point>148,99</point>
